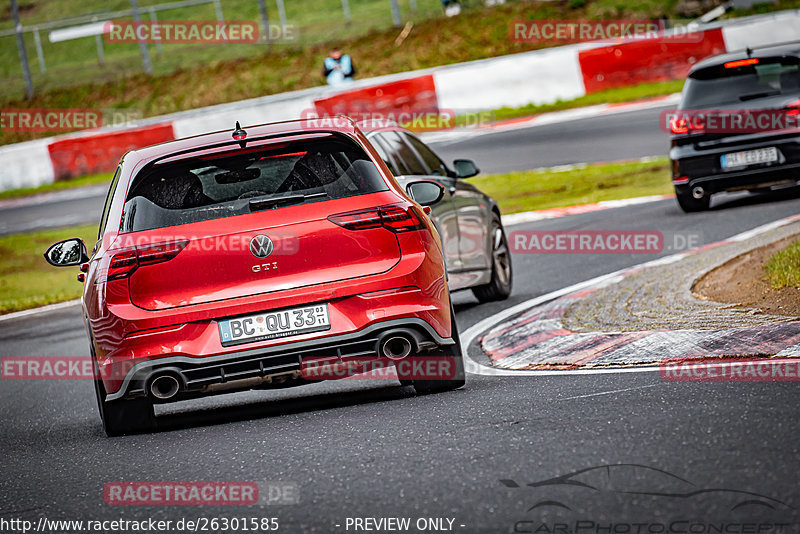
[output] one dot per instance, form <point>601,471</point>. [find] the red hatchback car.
<point>231,260</point>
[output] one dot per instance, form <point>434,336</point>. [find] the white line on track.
<point>42,309</point>
<point>607,392</point>
<point>472,333</point>
<point>78,193</point>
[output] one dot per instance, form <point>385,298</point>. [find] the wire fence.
<point>72,49</point>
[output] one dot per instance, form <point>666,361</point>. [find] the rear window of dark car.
<point>719,85</point>
<point>277,175</point>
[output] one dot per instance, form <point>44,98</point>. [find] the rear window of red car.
<point>214,186</point>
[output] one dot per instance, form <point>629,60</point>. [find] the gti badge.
<point>261,246</point>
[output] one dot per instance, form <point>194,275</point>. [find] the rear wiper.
<point>762,94</point>
<point>274,202</point>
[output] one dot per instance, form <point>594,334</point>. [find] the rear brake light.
<point>687,125</point>
<point>124,262</point>
<point>286,155</point>
<point>358,220</point>
<point>741,63</point>
<point>160,252</point>
<point>395,218</point>
<point>679,125</point>
<point>680,180</point>
<point>793,108</point>
<point>399,219</point>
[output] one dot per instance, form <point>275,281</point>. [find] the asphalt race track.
<point>628,135</point>
<point>611,137</point>
<point>361,449</point>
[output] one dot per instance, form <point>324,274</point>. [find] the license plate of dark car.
<point>750,157</point>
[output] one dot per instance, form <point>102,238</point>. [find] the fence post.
<point>23,55</point>
<point>148,67</point>
<point>262,8</point>
<point>346,9</point>
<point>101,55</point>
<point>154,20</point>
<point>218,11</point>
<point>98,42</point>
<point>282,14</point>
<point>39,52</point>
<point>395,13</point>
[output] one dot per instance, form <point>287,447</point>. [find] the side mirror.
<point>67,253</point>
<point>425,192</point>
<point>465,168</point>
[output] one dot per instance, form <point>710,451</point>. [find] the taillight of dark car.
<point>396,218</point>
<point>124,262</point>
<point>742,63</point>
<point>792,108</point>
<point>683,125</point>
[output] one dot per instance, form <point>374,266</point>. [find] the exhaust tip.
<point>395,347</point>
<point>164,387</point>
<point>698,192</point>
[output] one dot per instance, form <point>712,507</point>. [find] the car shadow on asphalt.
<point>193,417</point>
<point>754,199</point>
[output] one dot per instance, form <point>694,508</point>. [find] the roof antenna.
<point>240,135</point>
<point>748,49</point>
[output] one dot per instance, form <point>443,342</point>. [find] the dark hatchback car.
<point>474,241</point>
<point>736,126</point>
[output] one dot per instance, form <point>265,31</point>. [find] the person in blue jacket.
<point>338,68</point>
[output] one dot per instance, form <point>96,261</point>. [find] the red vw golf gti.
<point>233,260</point>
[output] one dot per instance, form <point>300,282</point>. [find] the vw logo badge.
<point>261,246</point>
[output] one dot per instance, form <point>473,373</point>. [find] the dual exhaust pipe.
<point>395,345</point>
<point>164,386</point>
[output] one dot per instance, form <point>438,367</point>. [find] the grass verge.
<point>27,280</point>
<point>611,96</point>
<point>783,267</point>
<point>93,179</point>
<point>551,188</point>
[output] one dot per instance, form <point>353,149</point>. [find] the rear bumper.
<point>747,179</point>
<point>197,374</point>
<point>702,164</point>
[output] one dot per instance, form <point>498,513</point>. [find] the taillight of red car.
<point>397,218</point>
<point>124,262</point>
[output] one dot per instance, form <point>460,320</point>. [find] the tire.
<point>499,287</point>
<point>123,417</point>
<point>450,353</point>
<point>689,204</point>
